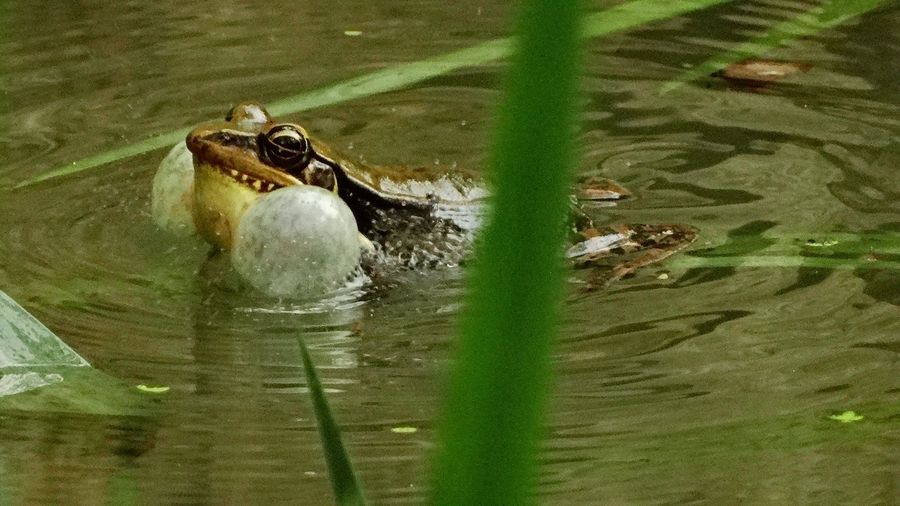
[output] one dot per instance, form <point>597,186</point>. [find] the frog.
<point>414,215</point>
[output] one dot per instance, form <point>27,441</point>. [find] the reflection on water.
<point>700,385</point>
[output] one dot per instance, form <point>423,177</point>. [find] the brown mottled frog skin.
<point>411,213</point>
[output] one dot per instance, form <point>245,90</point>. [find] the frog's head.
<point>262,157</point>
<point>238,160</point>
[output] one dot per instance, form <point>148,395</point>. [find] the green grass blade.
<point>637,13</point>
<point>127,151</point>
<point>347,491</point>
<point>829,14</point>
<point>497,391</point>
<point>623,17</point>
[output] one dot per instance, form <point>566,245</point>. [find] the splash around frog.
<point>298,217</point>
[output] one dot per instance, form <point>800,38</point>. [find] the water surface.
<point>706,385</point>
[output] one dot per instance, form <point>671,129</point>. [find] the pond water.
<point>712,384</point>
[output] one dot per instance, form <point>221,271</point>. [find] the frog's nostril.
<point>317,174</point>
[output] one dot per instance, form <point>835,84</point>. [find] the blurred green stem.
<point>496,397</point>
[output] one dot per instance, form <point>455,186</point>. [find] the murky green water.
<point>712,386</point>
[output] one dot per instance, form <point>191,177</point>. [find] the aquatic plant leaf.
<point>846,417</point>
<point>39,372</point>
<point>26,342</point>
<point>496,397</point>
<point>865,251</point>
<point>344,482</point>
<point>827,15</point>
<point>778,261</point>
<point>114,155</point>
<point>152,389</point>
<point>622,17</point>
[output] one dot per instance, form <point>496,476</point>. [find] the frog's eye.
<point>286,147</point>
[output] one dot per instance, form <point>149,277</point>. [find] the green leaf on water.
<point>153,389</point>
<point>824,243</point>
<point>841,251</point>
<point>846,417</point>
<point>344,482</point>
<point>622,17</point>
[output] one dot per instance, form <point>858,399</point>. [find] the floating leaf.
<point>812,243</point>
<point>153,389</point>
<point>870,250</point>
<point>846,417</point>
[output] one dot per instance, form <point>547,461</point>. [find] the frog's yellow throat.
<point>220,202</point>
<point>221,197</point>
